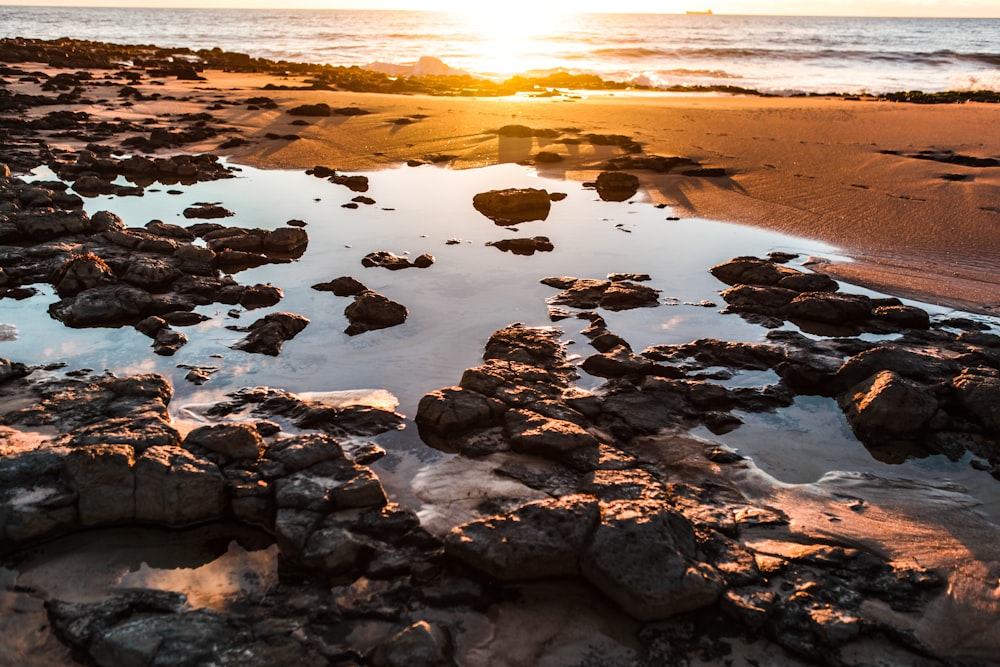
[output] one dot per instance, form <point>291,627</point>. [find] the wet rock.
<point>524,246</point>
<point>102,477</point>
<point>558,439</point>
<point>633,277</point>
<point>537,540</point>
<point>830,307</point>
<point>343,286</point>
<point>207,212</point>
<point>453,410</point>
<point>150,273</point>
<point>513,205</point>
<point>616,185</point>
<point>269,333</point>
<point>903,317</point>
<point>388,260</point>
<point>888,405</point>
<point>166,342</point>
<point>371,311</point>
<point>643,556</point>
<point>978,394</point>
<point>286,240</point>
<point>105,305</point>
<point>626,295</point>
<point>173,487</point>
<point>420,645</point>
<point>621,362</point>
<point>82,272</point>
<point>234,442</point>
<point>580,293</point>
<point>260,296</point>
<point>752,271</point>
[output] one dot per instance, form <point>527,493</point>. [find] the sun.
<point>511,36</point>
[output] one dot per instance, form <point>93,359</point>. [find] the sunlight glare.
<point>508,37</point>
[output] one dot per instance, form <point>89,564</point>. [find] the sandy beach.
<point>910,192</point>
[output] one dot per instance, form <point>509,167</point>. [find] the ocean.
<point>772,54</point>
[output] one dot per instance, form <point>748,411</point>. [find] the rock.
<point>317,110</point>
<point>643,556</point>
<point>581,293</point>
<point>269,333</point>
<point>195,259</point>
<point>887,404</point>
<point>752,271</point>
<point>81,272</point>
<point>421,645</point>
<point>343,286</point>
<point>557,439</point>
<point>150,273</point>
<point>286,240</point>
<point>235,442</point>
<point>300,452</point>
<point>524,246</point>
<point>393,262</point>
<point>335,551</point>
<point>452,410</point>
<point>905,317</point>
<point>979,396</point>
<point>208,212</point>
<point>616,185</point>
<point>513,205</point>
<point>371,311</point>
<point>260,296</point>
<point>103,479</point>
<point>537,540</point>
<point>830,307</point>
<point>105,305</point>
<point>166,342</point>
<point>174,488</point>
<point>627,295</point>
<point>809,282</point>
<point>548,157</point>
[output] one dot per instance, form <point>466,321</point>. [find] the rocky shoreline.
<point>606,496</point>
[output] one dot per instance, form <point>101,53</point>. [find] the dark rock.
<point>318,110</point>
<point>888,405</point>
<point>207,212</point>
<point>234,442</point>
<point>174,488</point>
<point>627,295</point>
<point>616,185</point>
<point>107,305</point>
<point>371,311</point>
<point>513,206</point>
<point>643,556</point>
<point>388,260</point>
<point>420,645</point>
<point>343,286</point>
<point>537,540</point>
<point>269,333</point>
<point>260,296</point>
<point>524,246</point>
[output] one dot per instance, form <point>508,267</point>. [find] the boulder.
<point>150,273</point>
<point>887,404</point>
<point>173,487</point>
<point>616,185</point>
<point>557,439</point>
<point>104,305</point>
<point>371,311</point>
<point>753,271</point>
<point>978,394</point>
<point>830,307</point>
<point>269,333</point>
<point>642,555</point>
<point>513,205</point>
<point>627,295</point>
<point>103,479</point>
<point>537,540</point>
<point>453,410</point>
<point>388,260</point>
<point>234,442</point>
<point>81,272</point>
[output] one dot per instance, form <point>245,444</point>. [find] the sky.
<point>956,8</point>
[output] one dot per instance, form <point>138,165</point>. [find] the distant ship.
<point>707,11</point>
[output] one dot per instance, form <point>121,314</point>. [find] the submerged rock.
<point>370,311</point>
<point>616,186</point>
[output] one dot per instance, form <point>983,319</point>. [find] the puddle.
<point>470,291</point>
